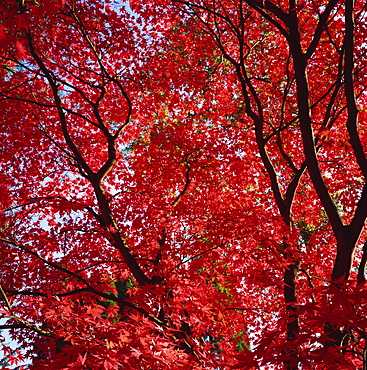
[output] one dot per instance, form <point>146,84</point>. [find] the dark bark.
<point>105,217</point>
<point>361,278</point>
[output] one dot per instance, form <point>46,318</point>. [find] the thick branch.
<point>320,27</point>
<point>300,62</point>
<point>109,224</point>
<point>349,88</point>
<point>361,278</point>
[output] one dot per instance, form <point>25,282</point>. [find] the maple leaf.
<point>21,49</point>
<point>95,312</point>
<point>82,358</point>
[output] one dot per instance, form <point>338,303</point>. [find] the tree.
<point>184,184</point>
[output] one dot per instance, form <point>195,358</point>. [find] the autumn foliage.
<point>183,184</point>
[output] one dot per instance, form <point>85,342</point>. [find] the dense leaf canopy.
<point>183,184</point>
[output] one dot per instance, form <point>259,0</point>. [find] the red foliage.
<point>183,184</point>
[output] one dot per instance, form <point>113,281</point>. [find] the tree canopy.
<point>183,184</point>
